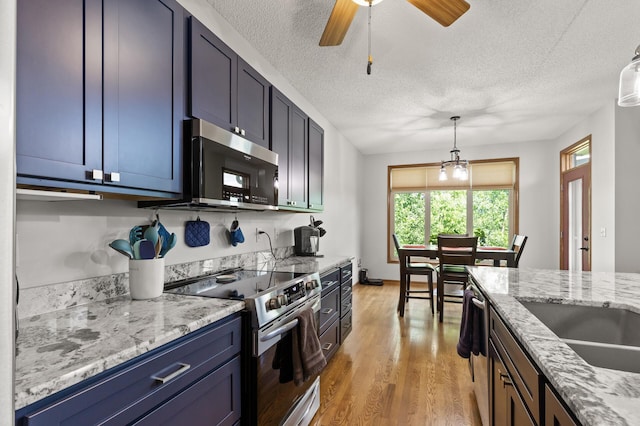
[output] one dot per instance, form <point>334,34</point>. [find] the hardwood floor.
<point>397,371</point>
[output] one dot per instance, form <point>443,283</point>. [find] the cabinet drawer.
<point>345,303</point>
<point>214,400</point>
<point>524,374</point>
<point>133,391</point>
<point>330,279</point>
<point>329,309</point>
<point>345,326</point>
<point>330,340</point>
<point>346,271</point>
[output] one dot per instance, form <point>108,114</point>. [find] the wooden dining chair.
<point>454,255</point>
<point>517,245</point>
<point>414,268</point>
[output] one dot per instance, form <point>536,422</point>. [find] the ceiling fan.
<point>445,12</point>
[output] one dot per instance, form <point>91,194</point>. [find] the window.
<point>421,206</point>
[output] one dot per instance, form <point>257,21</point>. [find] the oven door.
<point>277,403</point>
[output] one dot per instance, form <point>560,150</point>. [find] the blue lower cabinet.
<point>193,380</point>
<point>214,400</point>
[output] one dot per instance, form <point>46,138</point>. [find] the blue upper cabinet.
<point>289,139</point>
<point>316,166</point>
<point>100,95</point>
<point>225,90</point>
<point>143,92</point>
<point>59,89</point>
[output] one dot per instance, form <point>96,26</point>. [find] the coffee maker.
<point>307,241</point>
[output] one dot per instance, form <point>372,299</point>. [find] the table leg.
<point>440,299</point>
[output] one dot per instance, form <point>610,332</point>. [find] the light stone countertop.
<point>58,349</point>
<point>61,348</point>
<point>597,396</point>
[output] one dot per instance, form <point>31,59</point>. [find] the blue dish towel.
<point>471,328</point>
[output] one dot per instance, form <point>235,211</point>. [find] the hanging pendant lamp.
<point>459,166</point>
<point>629,93</point>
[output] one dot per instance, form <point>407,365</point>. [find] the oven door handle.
<point>280,330</point>
<point>479,303</point>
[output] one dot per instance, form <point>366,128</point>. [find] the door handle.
<point>584,248</point>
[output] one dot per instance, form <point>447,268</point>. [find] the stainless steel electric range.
<point>273,301</point>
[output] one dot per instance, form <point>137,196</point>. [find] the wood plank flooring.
<point>397,371</point>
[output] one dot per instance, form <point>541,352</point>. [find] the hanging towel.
<point>298,354</point>
<point>471,328</point>
<point>308,358</point>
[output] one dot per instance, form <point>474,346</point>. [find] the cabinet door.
<point>213,78</point>
<point>280,125</point>
<point>555,412</point>
<point>298,157</point>
<point>253,104</point>
<point>316,166</point>
<point>143,92</point>
<point>59,89</point>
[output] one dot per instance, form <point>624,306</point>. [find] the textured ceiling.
<point>515,70</point>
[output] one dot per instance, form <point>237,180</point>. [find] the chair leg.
<point>441,298</point>
<point>408,288</point>
<point>402,295</point>
<point>430,283</point>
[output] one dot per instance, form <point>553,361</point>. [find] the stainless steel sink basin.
<point>603,337</point>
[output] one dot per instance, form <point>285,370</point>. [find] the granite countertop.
<point>61,348</point>
<point>58,349</point>
<point>307,264</point>
<point>596,395</point>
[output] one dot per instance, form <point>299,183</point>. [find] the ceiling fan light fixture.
<point>629,92</point>
<point>366,2</point>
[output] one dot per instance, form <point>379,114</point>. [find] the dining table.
<point>430,251</point>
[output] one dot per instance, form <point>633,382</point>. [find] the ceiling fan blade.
<point>445,12</point>
<point>339,21</point>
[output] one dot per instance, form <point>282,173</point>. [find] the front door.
<point>575,233</point>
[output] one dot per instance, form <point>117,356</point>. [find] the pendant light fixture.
<point>459,166</point>
<point>629,94</point>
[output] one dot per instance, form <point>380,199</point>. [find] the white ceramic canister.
<point>146,278</point>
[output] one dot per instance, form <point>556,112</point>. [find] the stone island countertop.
<point>597,396</point>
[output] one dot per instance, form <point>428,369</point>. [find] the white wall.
<point>538,207</point>
<point>600,125</point>
<point>7,185</point>
<point>627,199</point>
<point>59,242</point>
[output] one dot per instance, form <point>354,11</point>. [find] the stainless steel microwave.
<point>224,170</point>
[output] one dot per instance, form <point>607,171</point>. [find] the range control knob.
<point>283,300</point>
<point>310,285</point>
<point>273,303</point>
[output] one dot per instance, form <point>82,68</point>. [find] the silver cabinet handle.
<point>242,132</point>
<point>113,177</point>
<point>327,346</point>
<point>95,174</point>
<point>236,129</point>
<point>183,368</point>
<point>326,311</point>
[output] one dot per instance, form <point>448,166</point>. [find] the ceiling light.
<point>459,166</point>
<point>629,94</point>
<point>366,2</point>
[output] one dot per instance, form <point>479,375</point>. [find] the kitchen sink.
<point>603,337</point>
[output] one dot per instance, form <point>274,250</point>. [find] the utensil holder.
<point>146,278</point>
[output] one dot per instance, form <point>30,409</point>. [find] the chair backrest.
<point>395,242</point>
<point>457,250</point>
<point>517,245</point>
